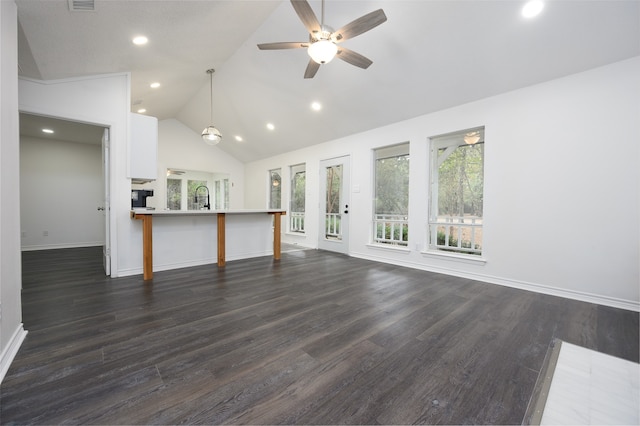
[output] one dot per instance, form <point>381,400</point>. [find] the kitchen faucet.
<point>195,197</point>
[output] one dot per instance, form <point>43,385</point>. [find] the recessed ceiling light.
<point>141,110</point>
<point>239,138</point>
<point>316,106</point>
<point>532,8</point>
<point>140,40</point>
<point>154,85</point>
<point>47,131</point>
<point>270,126</point>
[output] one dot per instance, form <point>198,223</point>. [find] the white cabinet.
<point>143,147</point>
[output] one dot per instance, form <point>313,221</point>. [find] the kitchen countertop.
<point>144,211</point>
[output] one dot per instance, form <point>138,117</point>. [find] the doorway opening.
<point>64,185</point>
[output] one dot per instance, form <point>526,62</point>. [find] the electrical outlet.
<point>45,233</point>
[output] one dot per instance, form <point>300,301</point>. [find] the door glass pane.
<point>297,198</point>
<point>333,229</point>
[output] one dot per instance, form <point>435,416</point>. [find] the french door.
<point>333,232</point>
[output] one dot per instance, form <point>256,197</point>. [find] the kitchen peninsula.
<point>248,226</point>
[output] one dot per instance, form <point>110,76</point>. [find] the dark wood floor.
<point>317,338</point>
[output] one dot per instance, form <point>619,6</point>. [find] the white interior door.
<point>106,207</point>
<point>334,205</point>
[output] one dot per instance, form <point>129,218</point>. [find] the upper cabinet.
<point>143,147</point>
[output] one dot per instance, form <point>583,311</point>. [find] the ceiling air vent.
<point>82,5</point>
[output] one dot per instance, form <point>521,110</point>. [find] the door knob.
<point>100,209</point>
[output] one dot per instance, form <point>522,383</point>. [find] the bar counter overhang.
<point>241,233</point>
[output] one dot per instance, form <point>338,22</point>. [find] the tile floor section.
<point>591,388</point>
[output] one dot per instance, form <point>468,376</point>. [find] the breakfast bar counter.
<point>146,217</point>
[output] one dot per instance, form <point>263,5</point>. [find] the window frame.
<point>296,219</point>
<point>445,142</point>
<point>392,225</point>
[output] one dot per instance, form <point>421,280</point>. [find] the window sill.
<point>389,247</point>
<point>466,258</point>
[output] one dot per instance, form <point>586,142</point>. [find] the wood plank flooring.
<point>316,338</point>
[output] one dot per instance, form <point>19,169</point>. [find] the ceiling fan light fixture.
<point>322,51</point>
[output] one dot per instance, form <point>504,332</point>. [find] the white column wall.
<point>562,186</point>
<point>11,330</point>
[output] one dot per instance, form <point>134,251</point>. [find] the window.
<point>212,189</point>
<point>457,185</point>
<point>197,200</point>
<point>275,189</point>
<point>174,194</point>
<point>297,199</point>
<point>225,186</point>
<point>391,199</point>
<point>218,192</point>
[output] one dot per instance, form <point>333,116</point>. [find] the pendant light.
<point>211,135</point>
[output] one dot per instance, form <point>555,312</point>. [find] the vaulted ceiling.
<point>429,55</point>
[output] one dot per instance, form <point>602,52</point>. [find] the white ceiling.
<point>429,55</point>
<point>63,130</point>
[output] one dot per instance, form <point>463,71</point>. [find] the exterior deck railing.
<point>461,234</point>
<point>333,229</point>
<point>391,229</point>
<point>296,222</point>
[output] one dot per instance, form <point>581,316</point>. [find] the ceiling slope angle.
<point>429,56</point>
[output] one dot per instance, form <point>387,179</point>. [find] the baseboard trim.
<point>61,246</point>
<point>189,264</point>
<point>10,352</point>
<point>613,302</point>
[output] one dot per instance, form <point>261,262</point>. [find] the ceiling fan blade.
<point>353,58</point>
<point>306,15</point>
<point>283,45</point>
<point>312,69</point>
<point>360,25</point>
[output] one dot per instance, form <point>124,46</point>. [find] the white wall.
<point>179,147</point>
<point>562,187</point>
<point>11,330</point>
<point>61,188</point>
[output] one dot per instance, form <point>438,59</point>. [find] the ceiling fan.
<point>323,44</point>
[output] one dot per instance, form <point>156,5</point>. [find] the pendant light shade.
<point>211,135</point>
<point>322,51</point>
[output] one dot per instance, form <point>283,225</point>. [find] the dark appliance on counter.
<point>139,197</point>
